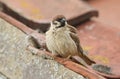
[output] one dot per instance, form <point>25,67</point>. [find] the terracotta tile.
<point>109,11</point>
<point>102,42</point>
<point>38,13</point>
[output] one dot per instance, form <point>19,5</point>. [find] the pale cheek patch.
<point>57,24</point>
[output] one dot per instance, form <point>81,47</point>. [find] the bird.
<point>62,40</point>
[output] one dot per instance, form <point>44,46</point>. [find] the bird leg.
<point>68,57</point>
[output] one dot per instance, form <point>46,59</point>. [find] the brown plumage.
<point>62,39</point>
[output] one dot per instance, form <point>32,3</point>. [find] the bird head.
<point>59,21</point>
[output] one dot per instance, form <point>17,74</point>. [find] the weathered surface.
<point>102,42</point>
<point>109,13</point>
<point>18,63</point>
<point>2,76</point>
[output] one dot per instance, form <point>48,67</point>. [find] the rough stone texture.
<point>18,63</point>
<point>2,76</point>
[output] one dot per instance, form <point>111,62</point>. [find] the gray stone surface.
<point>16,62</point>
<point>2,76</point>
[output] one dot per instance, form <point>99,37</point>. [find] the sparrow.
<point>62,40</point>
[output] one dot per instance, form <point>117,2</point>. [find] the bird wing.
<point>73,34</point>
<point>77,42</point>
<point>72,29</point>
<point>80,50</point>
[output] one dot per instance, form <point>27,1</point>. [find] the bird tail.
<point>88,60</point>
